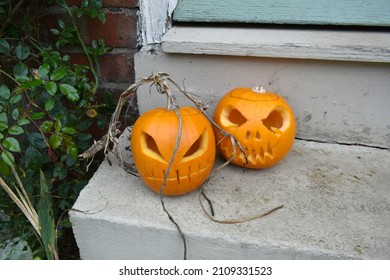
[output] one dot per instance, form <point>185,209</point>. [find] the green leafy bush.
<point>47,108</point>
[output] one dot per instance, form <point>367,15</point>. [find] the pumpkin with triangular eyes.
<point>262,122</point>
<point>153,141</point>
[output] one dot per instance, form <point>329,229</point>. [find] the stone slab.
<point>336,206</point>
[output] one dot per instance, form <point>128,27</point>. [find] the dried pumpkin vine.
<point>110,144</point>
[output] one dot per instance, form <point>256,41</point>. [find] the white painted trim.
<point>281,43</point>
<point>154,19</point>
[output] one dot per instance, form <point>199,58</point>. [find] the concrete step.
<point>336,196</point>
<point>336,206</point>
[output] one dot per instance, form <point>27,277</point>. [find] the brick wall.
<point>116,69</point>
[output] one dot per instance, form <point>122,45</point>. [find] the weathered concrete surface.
<point>336,206</point>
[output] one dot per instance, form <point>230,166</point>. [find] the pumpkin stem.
<point>259,89</point>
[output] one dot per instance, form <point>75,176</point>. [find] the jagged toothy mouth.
<point>255,155</point>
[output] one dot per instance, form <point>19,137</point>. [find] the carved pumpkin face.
<point>153,142</point>
<point>262,122</point>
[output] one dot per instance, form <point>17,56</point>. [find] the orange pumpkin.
<point>153,142</point>
<point>262,122</point>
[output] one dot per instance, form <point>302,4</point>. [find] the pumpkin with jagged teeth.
<point>262,122</point>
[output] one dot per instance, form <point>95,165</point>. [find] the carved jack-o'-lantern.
<point>153,142</point>
<point>262,122</point>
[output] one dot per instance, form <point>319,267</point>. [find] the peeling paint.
<point>154,20</point>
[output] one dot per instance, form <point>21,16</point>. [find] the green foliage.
<point>46,217</point>
<point>15,248</point>
<point>46,106</point>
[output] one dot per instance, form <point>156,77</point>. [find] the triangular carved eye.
<point>194,148</point>
<point>232,117</point>
<point>277,121</point>
<point>198,147</point>
<point>150,147</point>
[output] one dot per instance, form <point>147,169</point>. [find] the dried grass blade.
<point>26,211</point>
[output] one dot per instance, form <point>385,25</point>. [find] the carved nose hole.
<point>248,135</point>
<point>257,136</point>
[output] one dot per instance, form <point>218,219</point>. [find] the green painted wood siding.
<point>315,12</point>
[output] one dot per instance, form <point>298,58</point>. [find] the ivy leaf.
<point>4,47</point>
<point>46,126</point>
<point>66,58</point>
<point>34,83</point>
<point>43,70</point>
<point>33,158</point>
<point>3,125</point>
<point>55,141</point>
<point>8,158</point>
<point>101,122</point>
<point>68,160</point>
<point>22,52</point>
<point>84,125</point>
<point>58,74</point>
<point>57,126</point>
<point>49,105</point>
<point>15,99</point>
<point>60,172</point>
<point>95,44</point>
<point>84,137</point>
<point>93,13</point>
<point>15,130</point>
<point>20,69</point>
<point>102,17</point>
<point>51,88</point>
<point>73,151</point>
<point>55,31</point>
<point>3,121</point>
<point>36,140</point>
<point>22,122</point>
<point>22,79</point>
<point>15,114</point>
<point>79,12</point>
<point>5,92</point>
<point>11,144</point>
<point>61,24</point>
<point>69,130</point>
<point>70,92</point>
<point>3,117</point>
<point>37,115</point>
